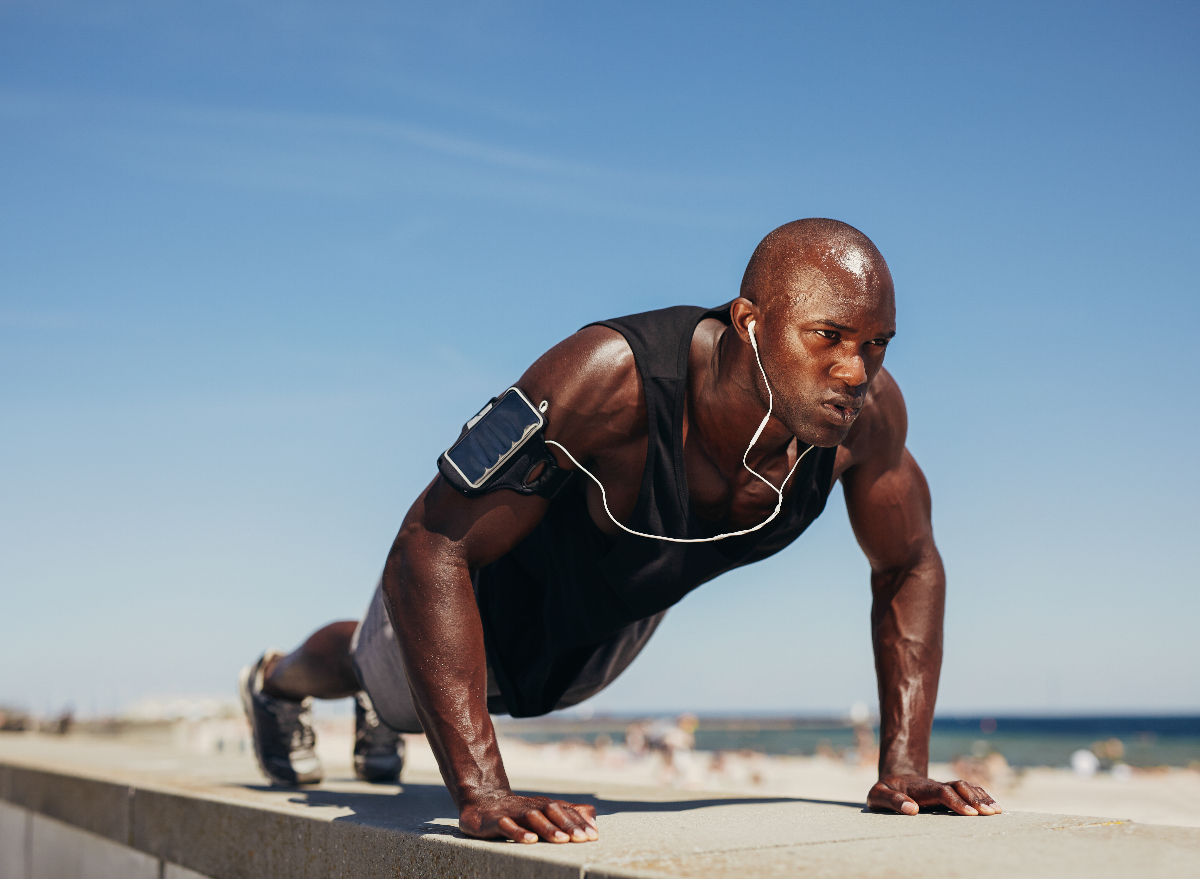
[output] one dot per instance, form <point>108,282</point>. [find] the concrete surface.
<point>58,850</point>
<point>216,817</point>
<point>33,846</point>
<point>13,834</point>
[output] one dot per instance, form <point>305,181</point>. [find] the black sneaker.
<point>284,739</point>
<point>378,749</point>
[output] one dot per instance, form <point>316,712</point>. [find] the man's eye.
<point>832,335</point>
<point>882,343</point>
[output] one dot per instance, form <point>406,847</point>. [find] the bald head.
<point>801,257</point>
<point>816,312</point>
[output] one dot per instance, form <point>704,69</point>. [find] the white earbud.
<point>762,426</point>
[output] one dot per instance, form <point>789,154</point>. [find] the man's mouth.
<point>841,413</point>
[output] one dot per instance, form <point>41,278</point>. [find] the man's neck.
<point>727,401</point>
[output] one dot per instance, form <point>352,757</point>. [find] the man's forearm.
<point>441,640</point>
<point>906,616</point>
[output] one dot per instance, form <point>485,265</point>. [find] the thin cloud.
<point>344,155</point>
<point>443,143</point>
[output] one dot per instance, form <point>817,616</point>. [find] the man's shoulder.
<point>594,358</point>
<point>593,387</point>
<point>601,347</point>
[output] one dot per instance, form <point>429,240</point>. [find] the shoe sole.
<point>378,779</point>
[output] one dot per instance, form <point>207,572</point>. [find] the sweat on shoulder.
<point>632,462</point>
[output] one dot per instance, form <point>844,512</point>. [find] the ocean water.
<point>1050,741</point>
<point>1024,741</point>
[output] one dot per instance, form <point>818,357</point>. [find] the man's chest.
<point>736,498</point>
<point>733,500</point>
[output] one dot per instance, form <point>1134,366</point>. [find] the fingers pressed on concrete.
<point>975,796</point>
<point>588,812</point>
<point>580,828</point>
<point>544,827</point>
<point>952,800</point>
<point>516,832</point>
<point>563,815</point>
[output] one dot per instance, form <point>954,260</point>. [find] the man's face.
<point>823,344</point>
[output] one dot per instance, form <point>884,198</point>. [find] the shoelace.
<point>304,739</point>
<point>379,739</point>
<point>294,721</point>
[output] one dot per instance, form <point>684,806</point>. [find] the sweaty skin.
<point>822,303</point>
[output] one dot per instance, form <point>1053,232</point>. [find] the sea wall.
<point>70,810</point>
<point>61,826</point>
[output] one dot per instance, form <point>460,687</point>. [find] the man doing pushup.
<point>632,462</point>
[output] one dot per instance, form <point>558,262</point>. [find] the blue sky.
<point>258,262</point>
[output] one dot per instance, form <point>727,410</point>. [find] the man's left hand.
<point>908,793</point>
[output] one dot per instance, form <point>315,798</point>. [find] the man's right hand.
<point>526,819</point>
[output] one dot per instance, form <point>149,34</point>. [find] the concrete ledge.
<point>219,839</point>
<point>100,810</point>
<point>99,807</point>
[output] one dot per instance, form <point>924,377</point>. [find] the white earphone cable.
<point>762,426</point>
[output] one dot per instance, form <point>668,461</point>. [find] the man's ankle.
<point>269,686</point>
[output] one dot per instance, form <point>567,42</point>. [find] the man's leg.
<point>280,726</point>
<point>278,691</point>
<point>321,667</point>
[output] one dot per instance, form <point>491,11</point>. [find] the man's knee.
<point>331,642</point>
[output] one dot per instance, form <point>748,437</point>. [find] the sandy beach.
<point>1161,796</point>
<point>1169,796</point>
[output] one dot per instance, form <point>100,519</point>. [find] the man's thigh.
<point>380,667</point>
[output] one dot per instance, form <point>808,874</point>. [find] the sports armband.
<point>500,447</point>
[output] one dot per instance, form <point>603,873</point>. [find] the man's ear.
<point>745,313</point>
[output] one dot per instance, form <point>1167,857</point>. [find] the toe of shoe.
<point>308,770</point>
<point>378,770</point>
<point>293,772</point>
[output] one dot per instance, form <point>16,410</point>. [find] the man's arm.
<point>888,500</point>
<point>427,585</point>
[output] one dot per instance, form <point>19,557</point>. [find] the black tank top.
<point>558,596</point>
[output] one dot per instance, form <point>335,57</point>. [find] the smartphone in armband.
<point>491,440</point>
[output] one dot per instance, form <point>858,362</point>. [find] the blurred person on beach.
<point>673,741</point>
<point>678,444</point>
<point>663,737</point>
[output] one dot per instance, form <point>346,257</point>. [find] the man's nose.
<point>851,370</point>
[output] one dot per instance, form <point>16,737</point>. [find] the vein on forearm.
<point>441,640</point>
<point>906,617</point>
